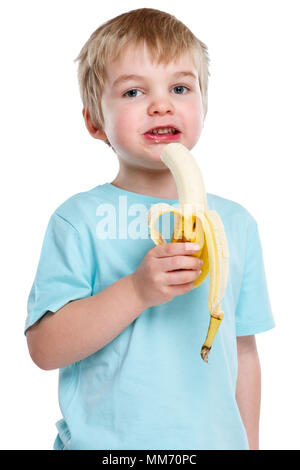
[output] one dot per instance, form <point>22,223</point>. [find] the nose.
<point>160,105</point>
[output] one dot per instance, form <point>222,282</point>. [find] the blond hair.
<point>167,39</point>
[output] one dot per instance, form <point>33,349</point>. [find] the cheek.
<point>119,117</point>
<point>126,122</point>
<point>195,119</point>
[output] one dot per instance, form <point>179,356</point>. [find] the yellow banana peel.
<point>194,222</point>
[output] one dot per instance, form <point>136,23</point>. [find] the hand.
<point>166,271</point>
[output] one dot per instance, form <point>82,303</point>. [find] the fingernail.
<point>192,246</point>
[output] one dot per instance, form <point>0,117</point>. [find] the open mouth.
<point>163,130</point>
<point>163,133</point>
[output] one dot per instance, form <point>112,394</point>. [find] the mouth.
<point>163,133</point>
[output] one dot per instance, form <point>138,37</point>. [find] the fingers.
<point>181,289</point>
<point>182,277</point>
<point>169,270</point>
<point>173,249</point>
<point>173,263</point>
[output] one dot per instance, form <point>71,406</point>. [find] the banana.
<point>194,222</point>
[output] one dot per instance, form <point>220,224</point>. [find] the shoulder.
<point>79,209</point>
<point>236,218</point>
<point>229,208</point>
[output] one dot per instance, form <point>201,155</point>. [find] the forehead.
<point>137,60</point>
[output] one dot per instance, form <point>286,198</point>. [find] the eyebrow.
<point>126,78</point>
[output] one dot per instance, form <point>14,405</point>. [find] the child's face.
<point>159,98</point>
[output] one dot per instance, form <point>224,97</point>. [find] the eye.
<point>132,93</point>
<point>179,89</point>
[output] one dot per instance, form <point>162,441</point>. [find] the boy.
<point>118,316</point>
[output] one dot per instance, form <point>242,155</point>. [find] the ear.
<point>94,131</point>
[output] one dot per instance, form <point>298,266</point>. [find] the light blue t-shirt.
<point>149,387</point>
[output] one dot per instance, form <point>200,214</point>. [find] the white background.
<point>248,152</point>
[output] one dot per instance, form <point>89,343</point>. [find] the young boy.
<point>119,316</point>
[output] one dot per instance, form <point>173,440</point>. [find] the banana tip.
<point>204,353</point>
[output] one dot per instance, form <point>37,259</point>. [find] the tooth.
<point>164,130</point>
<point>194,222</point>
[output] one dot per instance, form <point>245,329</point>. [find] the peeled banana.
<point>194,222</point>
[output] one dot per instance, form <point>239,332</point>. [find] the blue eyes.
<point>180,87</point>
<point>133,92</point>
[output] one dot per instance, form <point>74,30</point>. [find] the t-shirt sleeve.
<point>253,312</point>
<point>63,273</point>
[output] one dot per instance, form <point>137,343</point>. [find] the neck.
<point>150,182</point>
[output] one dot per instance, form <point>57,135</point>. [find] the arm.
<point>82,327</point>
<point>248,388</point>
